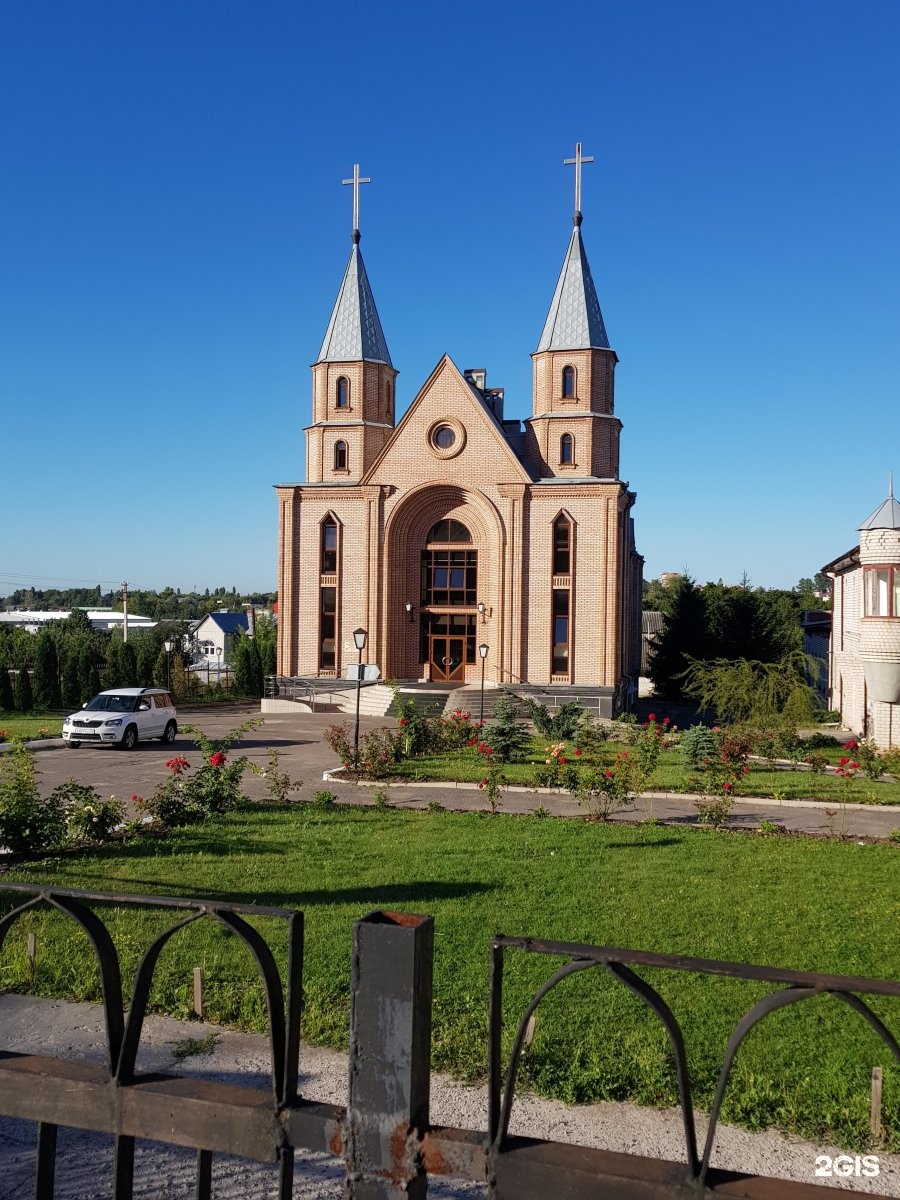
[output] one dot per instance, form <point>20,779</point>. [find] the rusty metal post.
<point>390,1056</point>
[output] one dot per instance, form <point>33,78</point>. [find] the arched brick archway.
<point>406,530</point>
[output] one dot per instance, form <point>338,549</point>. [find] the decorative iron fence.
<point>384,1134</point>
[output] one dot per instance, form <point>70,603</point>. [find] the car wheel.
<point>129,738</point>
<point>169,736</point>
<point>73,745</point>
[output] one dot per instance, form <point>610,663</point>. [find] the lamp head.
<point>359,638</point>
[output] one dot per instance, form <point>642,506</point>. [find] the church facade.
<point>457,528</point>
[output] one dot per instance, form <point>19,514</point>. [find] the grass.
<point>30,726</point>
<point>671,775</point>
<point>793,902</point>
<point>189,1047</point>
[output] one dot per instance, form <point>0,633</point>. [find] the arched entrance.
<point>448,601</point>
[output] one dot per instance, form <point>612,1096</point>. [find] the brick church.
<point>455,527</point>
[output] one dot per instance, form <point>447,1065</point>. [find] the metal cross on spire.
<point>356,181</point>
<point>577,161</point>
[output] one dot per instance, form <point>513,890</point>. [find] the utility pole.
<point>124,612</point>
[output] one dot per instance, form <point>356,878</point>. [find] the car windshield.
<point>112,704</point>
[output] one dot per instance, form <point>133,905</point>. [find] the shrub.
<point>603,792</point>
<point>817,762</point>
<point>278,783</point>
<point>378,751</point>
<point>416,735</point>
<point>325,800</point>
<point>493,781</point>
<point>820,741</point>
<point>23,695</point>
<point>870,759</point>
<point>88,818</point>
<point>455,731</point>
<point>697,745</point>
<point>214,787</point>
<point>558,769</point>
<point>560,725</point>
<point>508,737</point>
<point>338,738</point>
<point>28,824</point>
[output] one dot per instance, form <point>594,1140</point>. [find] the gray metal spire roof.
<point>574,321</point>
<point>354,332</point>
<point>886,515</point>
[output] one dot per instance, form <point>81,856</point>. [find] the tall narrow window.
<point>340,456</point>
<point>560,631</point>
<point>568,383</point>
<point>328,563</point>
<point>342,393</point>
<point>566,449</point>
<point>327,628</point>
<point>562,546</point>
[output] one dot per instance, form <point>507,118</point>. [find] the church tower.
<point>573,430</point>
<point>353,378</point>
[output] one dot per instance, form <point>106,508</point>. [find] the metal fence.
<point>384,1134</point>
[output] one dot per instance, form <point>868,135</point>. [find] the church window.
<point>568,383</point>
<point>342,393</point>
<point>566,450</point>
<point>327,628</point>
<point>560,620</point>
<point>882,588</point>
<point>340,456</point>
<point>444,437</point>
<point>562,546</point>
<point>328,556</point>
<point>449,567</point>
<point>448,531</point>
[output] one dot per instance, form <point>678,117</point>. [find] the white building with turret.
<point>864,661</point>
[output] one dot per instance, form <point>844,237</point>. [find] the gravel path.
<point>74,1031</point>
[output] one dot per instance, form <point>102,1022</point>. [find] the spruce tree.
<point>128,670</point>
<point>46,673</point>
<point>683,637</point>
<point>112,673</point>
<point>71,687</point>
<point>24,697</point>
<point>88,676</point>
<point>7,700</point>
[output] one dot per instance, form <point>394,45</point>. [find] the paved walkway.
<point>304,755</point>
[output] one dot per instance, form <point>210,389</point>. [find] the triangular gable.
<point>459,402</point>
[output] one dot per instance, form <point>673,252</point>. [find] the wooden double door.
<point>450,644</point>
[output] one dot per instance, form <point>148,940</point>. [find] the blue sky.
<point>173,232</point>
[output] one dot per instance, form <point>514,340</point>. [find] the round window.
<point>443,437</point>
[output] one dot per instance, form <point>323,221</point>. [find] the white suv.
<point>122,717</point>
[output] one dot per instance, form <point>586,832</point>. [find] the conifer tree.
<point>88,675</point>
<point>128,671</point>
<point>46,673</point>
<point>71,687</point>
<point>24,697</point>
<point>7,700</point>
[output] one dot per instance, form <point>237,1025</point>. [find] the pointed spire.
<point>354,332</point>
<point>886,515</point>
<point>574,321</point>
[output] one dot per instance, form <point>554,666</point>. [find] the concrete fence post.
<point>390,1056</point>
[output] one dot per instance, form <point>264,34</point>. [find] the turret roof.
<point>354,332</point>
<point>574,321</point>
<point>885,516</point>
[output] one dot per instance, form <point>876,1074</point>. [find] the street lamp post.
<point>169,645</point>
<point>483,651</point>
<point>359,640</point>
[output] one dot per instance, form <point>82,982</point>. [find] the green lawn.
<point>794,902</point>
<point>29,726</point>
<point>671,775</point>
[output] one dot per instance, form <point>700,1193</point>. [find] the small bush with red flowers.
<point>720,774</point>
<point>559,768</point>
<point>193,794</point>
<point>603,791</point>
<point>493,780</point>
<point>456,730</point>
